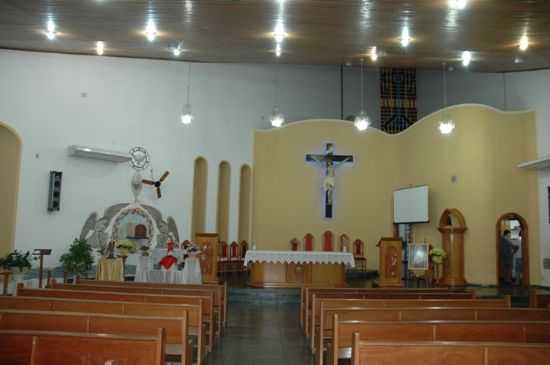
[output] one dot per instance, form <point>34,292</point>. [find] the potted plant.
<point>79,260</point>
<point>18,263</point>
<point>125,247</point>
<point>438,255</point>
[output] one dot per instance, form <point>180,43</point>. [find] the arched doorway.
<point>10,162</point>
<point>520,235</point>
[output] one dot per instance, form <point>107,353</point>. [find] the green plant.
<point>438,255</point>
<point>125,247</point>
<point>79,259</point>
<point>16,260</point>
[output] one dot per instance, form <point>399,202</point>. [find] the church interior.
<point>359,182</point>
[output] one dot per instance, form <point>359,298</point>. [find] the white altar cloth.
<point>146,273</point>
<point>300,257</point>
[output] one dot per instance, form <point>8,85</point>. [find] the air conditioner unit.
<point>98,154</point>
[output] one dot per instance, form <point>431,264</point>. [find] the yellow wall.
<point>10,156</point>
<point>483,152</point>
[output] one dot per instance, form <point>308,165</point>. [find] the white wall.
<point>510,91</point>
<point>56,100</point>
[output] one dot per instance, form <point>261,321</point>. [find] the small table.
<point>110,269</point>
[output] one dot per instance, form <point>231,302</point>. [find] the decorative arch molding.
<point>224,192</point>
<point>456,224</point>
<point>245,193</point>
<point>200,184</point>
<point>526,281</point>
<point>10,160</point>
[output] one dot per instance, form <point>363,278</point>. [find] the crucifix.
<point>329,161</point>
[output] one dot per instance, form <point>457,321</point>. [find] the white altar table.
<point>291,269</point>
<point>147,273</point>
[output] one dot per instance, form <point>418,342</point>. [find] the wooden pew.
<point>307,292</point>
<point>324,332</point>
<point>65,348</point>
<point>539,298</point>
<point>453,331</point>
<point>216,304</point>
<point>176,329</point>
<point>194,312</point>
<point>379,294</point>
<point>205,302</point>
<point>314,316</point>
<point>447,353</point>
<point>219,290</point>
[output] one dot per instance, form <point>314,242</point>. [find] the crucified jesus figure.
<point>329,161</point>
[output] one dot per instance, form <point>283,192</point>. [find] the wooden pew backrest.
<point>45,348</point>
<point>474,331</point>
<point>448,353</point>
<point>175,328</point>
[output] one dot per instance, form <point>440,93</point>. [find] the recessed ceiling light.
<point>458,4</point>
<point>100,47</point>
<point>524,43</point>
<point>151,30</point>
<point>50,30</point>
<point>279,33</point>
<point>466,58</point>
<point>405,38</point>
<point>177,50</point>
<point>278,50</point>
<point>373,54</point>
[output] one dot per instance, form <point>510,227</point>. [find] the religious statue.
<point>329,161</point>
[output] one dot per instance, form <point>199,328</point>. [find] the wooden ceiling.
<point>318,31</point>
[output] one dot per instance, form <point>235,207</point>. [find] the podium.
<point>452,226</point>
<point>390,253</point>
<point>208,244</point>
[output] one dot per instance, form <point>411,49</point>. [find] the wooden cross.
<point>329,161</point>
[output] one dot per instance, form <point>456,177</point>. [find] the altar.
<point>294,269</point>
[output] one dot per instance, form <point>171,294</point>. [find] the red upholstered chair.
<point>243,248</point>
<point>359,255</point>
<point>223,257</point>
<point>234,257</point>
<point>328,239</point>
<point>294,244</point>
<point>344,243</point>
<point>308,242</point>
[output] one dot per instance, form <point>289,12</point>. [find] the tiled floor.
<point>262,334</point>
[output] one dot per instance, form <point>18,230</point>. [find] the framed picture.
<point>419,256</point>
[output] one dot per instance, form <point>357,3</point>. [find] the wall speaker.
<point>54,195</point>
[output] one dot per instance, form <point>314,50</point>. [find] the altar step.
<point>264,296</point>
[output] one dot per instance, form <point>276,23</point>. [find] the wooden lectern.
<point>208,244</point>
<point>390,253</point>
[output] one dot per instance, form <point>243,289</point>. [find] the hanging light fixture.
<point>446,125</point>
<point>277,119</point>
<point>362,120</point>
<point>186,114</point>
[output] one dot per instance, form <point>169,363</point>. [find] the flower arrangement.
<point>125,247</point>
<point>16,261</point>
<point>438,255</point>
<point>79,259</point>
